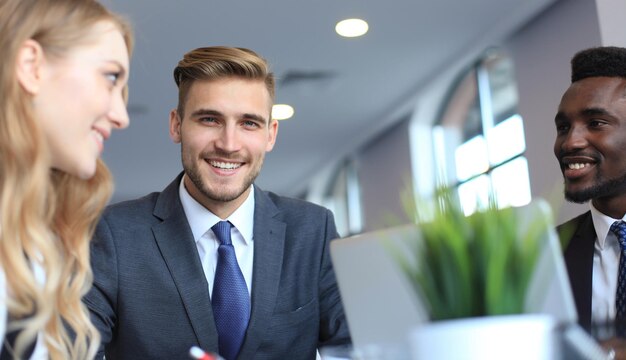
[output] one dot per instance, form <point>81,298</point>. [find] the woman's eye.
<point>112,77</point>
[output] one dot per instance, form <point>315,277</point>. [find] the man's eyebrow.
<point>560,116</point>
<point>594,111</point>
<point>255,117</point>
<point>205,112</point>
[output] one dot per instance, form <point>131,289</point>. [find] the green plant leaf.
<point>474,265</point>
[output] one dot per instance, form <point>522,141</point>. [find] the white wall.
<point>611,14</point>
<point>384,170</point>
<point>542,51</point>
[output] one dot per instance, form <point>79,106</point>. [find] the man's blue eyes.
<point>245,123</point>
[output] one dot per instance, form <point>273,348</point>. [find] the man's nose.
<point>229,139</point>
<point>575,139</point>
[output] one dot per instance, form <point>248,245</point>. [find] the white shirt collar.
<point>201,219</point>
<point>602,223</point>
<point>243,217</point>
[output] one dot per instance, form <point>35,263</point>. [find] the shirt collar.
<point>602,223</point>
<point>201,219</point>
<point>243,217</point>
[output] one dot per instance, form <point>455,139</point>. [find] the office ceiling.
<point>344,91</point>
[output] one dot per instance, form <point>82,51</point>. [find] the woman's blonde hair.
<point>47,217</point>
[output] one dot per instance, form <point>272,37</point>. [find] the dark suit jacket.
<point>578,237</point>
<point>150,298</point>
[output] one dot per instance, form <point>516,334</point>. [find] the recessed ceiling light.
<point>351,27</point>
<point>282,112</point>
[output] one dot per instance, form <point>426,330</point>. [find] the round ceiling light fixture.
<point>282,111</point>
<point>351,27</point>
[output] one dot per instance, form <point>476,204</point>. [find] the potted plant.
<point>478,268</point>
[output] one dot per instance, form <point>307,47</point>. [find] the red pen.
<point>199,354</point>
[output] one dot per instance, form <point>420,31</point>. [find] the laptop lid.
<point>381,304</point>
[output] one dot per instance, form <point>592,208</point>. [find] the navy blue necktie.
<point>230,299</point>
<point>619,228</point>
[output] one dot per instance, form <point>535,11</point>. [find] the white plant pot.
<point>508,337</point>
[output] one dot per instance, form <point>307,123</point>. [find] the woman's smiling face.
<point>80,100</point>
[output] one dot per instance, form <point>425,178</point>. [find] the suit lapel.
<point>579,260</point>
<point>269,239</point>
<point>175,241</point>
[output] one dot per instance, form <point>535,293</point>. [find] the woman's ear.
<point>30,60</point>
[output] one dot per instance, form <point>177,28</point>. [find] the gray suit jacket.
<point>150,298</point>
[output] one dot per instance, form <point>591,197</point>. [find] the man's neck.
<point>614,207</point>
<point>223,209</point>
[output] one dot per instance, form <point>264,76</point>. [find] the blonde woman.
<point>62,83</point>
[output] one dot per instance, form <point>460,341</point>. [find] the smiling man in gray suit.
<point>164,278</point>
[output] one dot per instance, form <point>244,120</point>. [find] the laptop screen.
<point>382,305</point>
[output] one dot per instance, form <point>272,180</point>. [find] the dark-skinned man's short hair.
<point>609,61</point>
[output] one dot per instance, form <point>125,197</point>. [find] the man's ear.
<point>273,132</point>
<point>175,123</point>
<point>30,60</point>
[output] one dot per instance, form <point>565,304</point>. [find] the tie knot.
<point>619,229</point>
<point>222,231</point>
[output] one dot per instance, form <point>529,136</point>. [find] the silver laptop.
<point>381,305</point>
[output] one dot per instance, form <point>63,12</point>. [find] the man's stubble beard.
<point>602,188</point>
<point>218,193</point>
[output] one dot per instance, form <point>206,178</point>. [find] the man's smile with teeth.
<point>225,165</point>
<point>576,166</point>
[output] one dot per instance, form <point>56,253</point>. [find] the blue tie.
<point>230,299</point>
<point>619,228</point>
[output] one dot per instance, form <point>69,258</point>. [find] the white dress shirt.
<point>605,268</point>
<point>201,220</point>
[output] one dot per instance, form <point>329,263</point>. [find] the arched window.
<point>337,188</point>
<point>343,198</point>
<point>479,137</point>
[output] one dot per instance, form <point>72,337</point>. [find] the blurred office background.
<point>464,91</point>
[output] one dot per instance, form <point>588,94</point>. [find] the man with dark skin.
<point>591,149</point>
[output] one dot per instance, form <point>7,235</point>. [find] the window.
<point>479,139</point>
<point>341,195</point>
